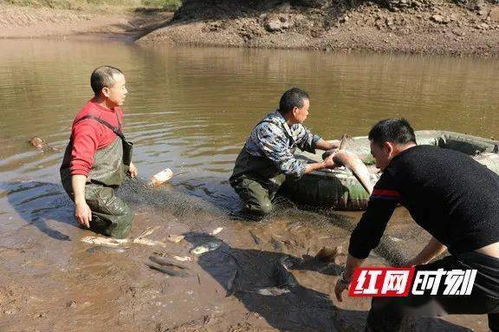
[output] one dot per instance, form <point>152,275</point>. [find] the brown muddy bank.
<point>52,281</point>
<point>405,26</point>
<point>27,22</point>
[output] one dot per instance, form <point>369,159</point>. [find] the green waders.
<point>256,180</point>
<point>110,215</point>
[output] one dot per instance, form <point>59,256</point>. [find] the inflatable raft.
<point>340,190</point>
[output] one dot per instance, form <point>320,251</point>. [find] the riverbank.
<point>411,27</point>
<point>28,22</point>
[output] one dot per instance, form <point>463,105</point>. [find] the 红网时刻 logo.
<point>390,281</point>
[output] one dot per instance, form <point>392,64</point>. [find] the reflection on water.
<point>191,109</point>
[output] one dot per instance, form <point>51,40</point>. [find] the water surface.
<point>191,109</point>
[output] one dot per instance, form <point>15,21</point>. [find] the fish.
<point>231,283</point>
<point>328,254</point>
<point>167,270</point>
<point>183,259</point>
<point>281,275</point>
<point>166,262</point>
<point>276,244</point>
<point>40,144</point>
<point>216,231</point>
<point>255,238</point>
<point>175,238</point>
<point>344,141</point>
<point>272,291</point>
<point>351,161</point>
<point>111,242</point>
<point>394,239</point>
<point>208,246</point>
<point>148,231</point>
<point>104,241</point>
<point>354,163</point>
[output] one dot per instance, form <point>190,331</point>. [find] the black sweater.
<point>453,197</point>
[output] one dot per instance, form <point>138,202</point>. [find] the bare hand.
<point>339,288</point>
<point>335,144</point>
<point>133,170</point>
<point>83,214</point>
<point>329,152</point>
<point>328,162</point>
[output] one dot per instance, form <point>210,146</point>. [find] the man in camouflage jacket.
<point>268,158</point>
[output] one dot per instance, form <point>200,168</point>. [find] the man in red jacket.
<point>98,156</point>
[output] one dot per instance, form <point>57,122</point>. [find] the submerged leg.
<point>110,215</point>
<point>257,199</point>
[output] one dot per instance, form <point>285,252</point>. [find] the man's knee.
<point>113,216</point>
<point>123,221</point>
<point>121,224</point>
<point>261,207</point>
<point>255,196</point>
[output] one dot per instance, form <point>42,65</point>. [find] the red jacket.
<point>89,135</point>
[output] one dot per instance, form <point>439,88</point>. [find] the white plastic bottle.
<point>161,177</point>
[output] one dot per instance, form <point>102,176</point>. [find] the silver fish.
<point>272,291</point>
<point>209,246</point>
<point>167,270</point>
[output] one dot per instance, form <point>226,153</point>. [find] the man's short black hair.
<point>102,77</point>
<point>397,131</point>
<point>292,98</point>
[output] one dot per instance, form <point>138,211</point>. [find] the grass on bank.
<point>169,5</point>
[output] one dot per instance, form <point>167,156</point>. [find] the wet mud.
<point>259,277</point>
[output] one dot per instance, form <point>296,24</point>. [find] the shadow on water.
<point>252,275</point>
<point>37,202</point>
<point>262,281</point>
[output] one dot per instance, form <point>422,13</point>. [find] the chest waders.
<point>111,216</point>
<point>257,179</point>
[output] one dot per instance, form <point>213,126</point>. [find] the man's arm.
<point>368,232</point>
<point>325,145</point>
<point>273,143</point>
<point>326,163</point>
<point>344,282</point>
<point>82,211</point>
<point>433,249</point>
<point>307,141</point>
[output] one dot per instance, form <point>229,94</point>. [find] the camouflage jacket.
<point>274,139</point>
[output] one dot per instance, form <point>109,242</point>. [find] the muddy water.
<point>190,109</point>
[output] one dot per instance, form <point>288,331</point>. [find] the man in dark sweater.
<point>451,196</point>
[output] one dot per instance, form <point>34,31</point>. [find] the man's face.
<point>117,93</point>
<point>382,154</point>
<point>300,114</point>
